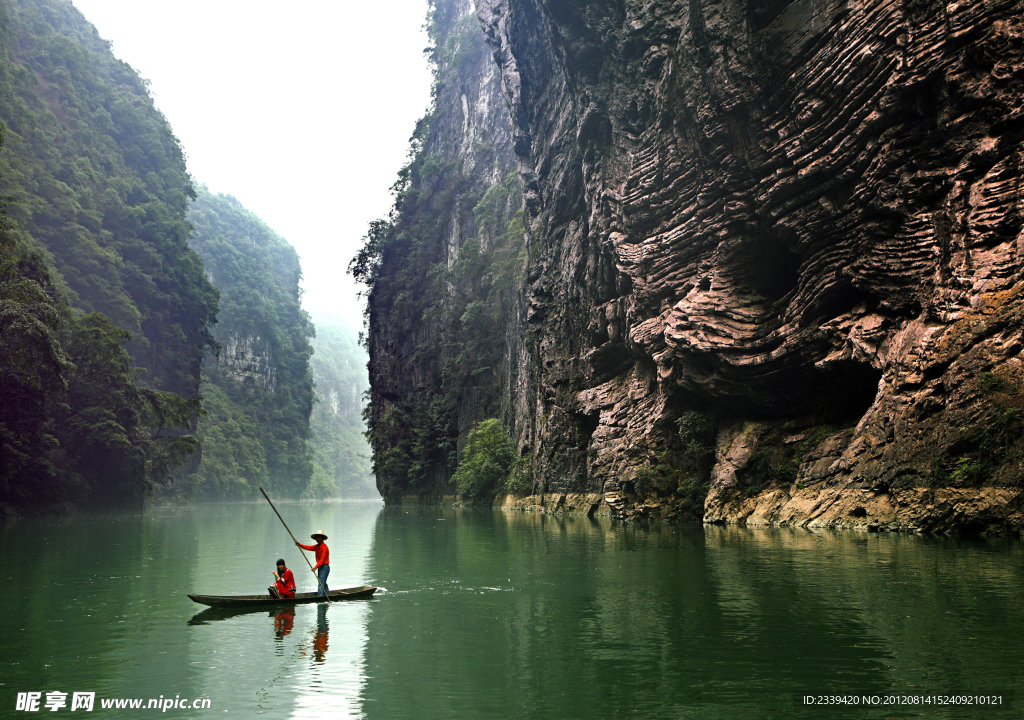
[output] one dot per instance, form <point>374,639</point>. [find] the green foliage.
<point>33,375</point>
<point>697,433</point>
<point>29,318</point>
<point>456,45</point>
<point>646,480</point>
<point>520,477</point>
<point>989,383</point>
<point>996,443</point>
<point>75,425</point>
<point>779,464</point>
<point>674,477</point>
<point>366,263</point>
<point>118,439</point>
<point>486,462</point>
<point>257,430</point>
<point>99,184</point>
<point>234,461</point>
<point>681,475</point>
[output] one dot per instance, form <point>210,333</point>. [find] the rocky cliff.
<point>797,219</point>
<point>444,272</point>
<point>772,271</point>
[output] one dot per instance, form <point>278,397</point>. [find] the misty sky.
<point>301,111</point>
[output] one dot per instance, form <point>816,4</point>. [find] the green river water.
<point>506,615</point>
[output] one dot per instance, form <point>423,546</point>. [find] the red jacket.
<point>286,584</point>
<point>323,556</point>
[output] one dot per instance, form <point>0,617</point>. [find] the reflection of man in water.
<point>284,621</point>
<point>320,636</point>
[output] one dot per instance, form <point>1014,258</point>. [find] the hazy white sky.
<point>302,111</point>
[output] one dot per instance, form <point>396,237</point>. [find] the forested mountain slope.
<point>257,387</point>
<point>95,260</point>
<point>98,182</point>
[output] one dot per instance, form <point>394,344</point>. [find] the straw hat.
<point>318,533</point>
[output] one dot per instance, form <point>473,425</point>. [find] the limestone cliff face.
<point>246,359</point>
<point>800,219</point>
<point>440,271</point>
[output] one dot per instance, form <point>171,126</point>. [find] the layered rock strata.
<point>797,218</point>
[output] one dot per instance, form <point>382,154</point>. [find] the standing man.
<point>323,559</point>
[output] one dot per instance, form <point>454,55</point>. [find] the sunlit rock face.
<point>789,214</point>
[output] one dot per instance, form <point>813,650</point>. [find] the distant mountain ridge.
<point>341,453</point>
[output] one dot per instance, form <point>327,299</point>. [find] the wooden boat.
<point>232,601</point>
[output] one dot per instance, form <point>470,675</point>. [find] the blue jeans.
<point>322,572</point>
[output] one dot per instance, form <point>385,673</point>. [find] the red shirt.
<point>286,584</point>
<point>323,556</point>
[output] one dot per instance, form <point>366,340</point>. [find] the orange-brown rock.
<point>788,216</point>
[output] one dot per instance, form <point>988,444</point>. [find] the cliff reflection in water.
<point>493,615</point>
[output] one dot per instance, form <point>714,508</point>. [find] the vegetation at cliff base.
<point>486,462</point>
<point>989,451</point>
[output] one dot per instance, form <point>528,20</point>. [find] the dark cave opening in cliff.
<point>846,392</point>
<point>764,266</point>
<point>587,424</point>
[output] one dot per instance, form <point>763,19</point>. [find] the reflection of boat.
<point>240,601</point>
<point>213,614</point>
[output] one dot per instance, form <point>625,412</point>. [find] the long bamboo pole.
<point>297,542</point>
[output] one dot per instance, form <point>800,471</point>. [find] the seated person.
<point>284,583</point>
